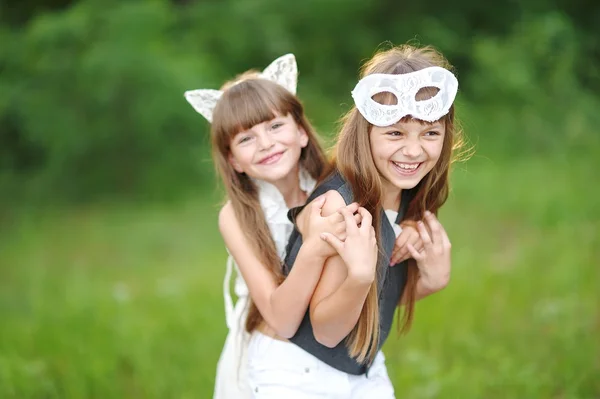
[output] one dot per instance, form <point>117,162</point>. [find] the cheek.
<point>240,159</point>
<point>382,150</point>
<point>434,150</point>
<point>376,148</point>
<point>294,140</point>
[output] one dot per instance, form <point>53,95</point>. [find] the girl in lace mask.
<point>392,156</point>
<point>269,159</point>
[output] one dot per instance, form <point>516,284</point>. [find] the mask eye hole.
<point>426,93</point>
<point>385,98</point>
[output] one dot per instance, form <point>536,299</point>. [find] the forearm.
<point>335,316</point>
<point>290,300</point>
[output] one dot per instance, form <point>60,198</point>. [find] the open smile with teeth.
<point>407,168</point>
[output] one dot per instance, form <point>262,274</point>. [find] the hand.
<point>314,224</point>
<point>409,235</point>
<point>434,261</point>
<point>359,250</point>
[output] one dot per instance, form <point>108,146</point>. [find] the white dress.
<point>231,381</point>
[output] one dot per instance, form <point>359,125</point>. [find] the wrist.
<point>434,283</point>
<point>360,278</point>
<point>313,247</point>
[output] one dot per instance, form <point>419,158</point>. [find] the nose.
<point>265,141</point>
<point>412,148</point>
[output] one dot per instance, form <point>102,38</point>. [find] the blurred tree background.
<point>110,261</point>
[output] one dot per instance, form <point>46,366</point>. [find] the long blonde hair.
<point>354,160</point>
<point>245,103</point>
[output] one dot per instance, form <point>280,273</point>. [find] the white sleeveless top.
<point>275,211</point>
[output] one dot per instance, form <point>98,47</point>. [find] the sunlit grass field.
<point>125,300</point>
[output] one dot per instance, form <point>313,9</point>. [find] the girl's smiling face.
<point>270,150</point>
<point>405,152</point>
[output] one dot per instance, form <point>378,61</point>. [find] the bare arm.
<point>339,297</point>
<point>337,303</point>
<point>282,306</point>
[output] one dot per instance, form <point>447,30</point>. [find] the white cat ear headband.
<point>405,88</point>
<point>282,71</point>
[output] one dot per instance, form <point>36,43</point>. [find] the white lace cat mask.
<point>405,88</point>
<point>282,71</point>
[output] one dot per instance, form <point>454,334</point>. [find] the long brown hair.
<point>247,101</point>
<point>353,158</point>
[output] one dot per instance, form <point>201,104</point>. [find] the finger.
<point>405,257</point>
<point>416,242</point>
<point>405,253</point>
<point>367,219</point>
<point>353,207</point>
<point>414,253</point>
<point>336,218</point>
<point>333,241</point>
<point>435,227</point>
<point>424,235</point>
<point>317,204</point>
<point>414,238</point>
<point>358,218</point>
<point>400,257</point>
<point>398,254</point>
<point>401,242</point>
<point>400,247</point>
<point>351,226</point>
<point>340,231</point>
<point>402,239</point>
<point>445,238</point>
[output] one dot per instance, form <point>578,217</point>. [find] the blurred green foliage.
<point>91,98</point>
<point>108,291</point>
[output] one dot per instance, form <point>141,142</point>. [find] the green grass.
<point>124,301</point>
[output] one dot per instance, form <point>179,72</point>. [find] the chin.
<point>277,173</point>
<point>407,184</point>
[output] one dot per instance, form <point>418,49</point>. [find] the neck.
<point>289,187</point>
<point>390,196</point>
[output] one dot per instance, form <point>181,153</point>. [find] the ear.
<point>235,164</point>
<point>303,137</point>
